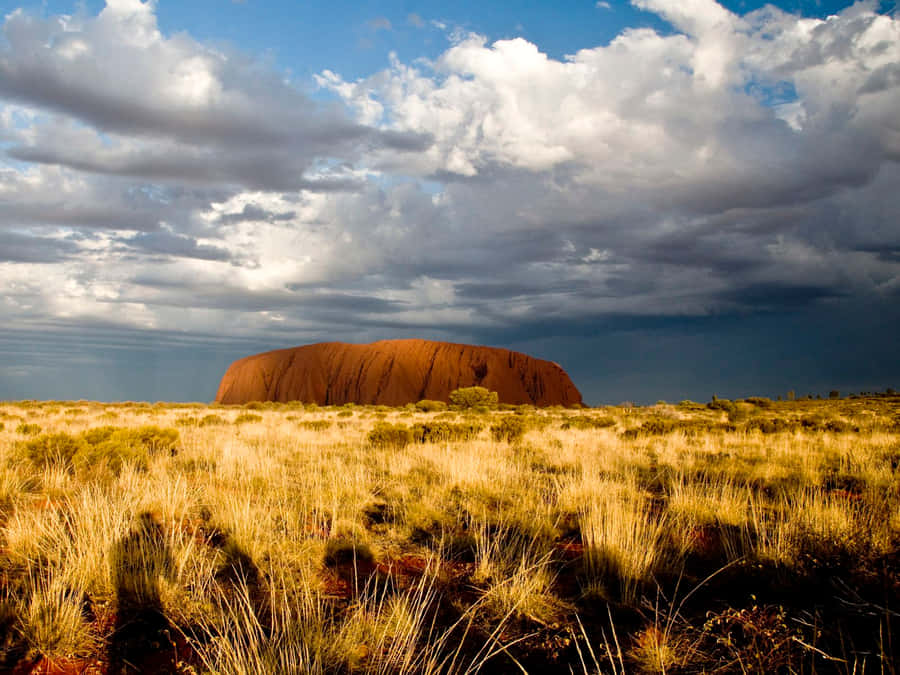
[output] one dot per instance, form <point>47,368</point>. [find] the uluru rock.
<point>393,372</point>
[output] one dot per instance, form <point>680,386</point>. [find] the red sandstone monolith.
<point>393,372</point>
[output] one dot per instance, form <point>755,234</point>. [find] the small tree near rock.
<point>473,398</point>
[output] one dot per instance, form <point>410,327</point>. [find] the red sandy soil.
<point>393,372</point>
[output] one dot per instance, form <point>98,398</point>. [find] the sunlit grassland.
<point>751,537</point>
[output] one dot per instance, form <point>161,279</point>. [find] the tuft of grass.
<point>28,429</point>
<point>625,544</point>
<point>315,425</point>
<point>51,620</point>
<point>509,429</point>
<point>248,418</point>
<point>211,421</point>
<point>442,432</point>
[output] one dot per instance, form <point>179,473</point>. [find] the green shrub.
<point>839,426</point>
<point>1,426</point>
<point>345,413</point>
<point>740,412</point>
<point>153,439</point>
<point>721,404</point>
<point>384,435</point>
<point>247,418</point>
<point>112,447</point>
<point>658,425</point>
<point>315,425</point>
<point>28,429</point>
<point>186,421</point>
<point>473,398</point>
<point>254,405</point>
<point>211,421</point>
<point>443,432</point>
<point>98,435</point>
<point>759,401</point>
<point>771,425</point>
<point>509,429</point>
<point>427,405</point>
<point>57,449</point>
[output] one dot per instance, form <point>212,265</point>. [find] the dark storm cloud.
<point>66,214</point>
<point>176,245</point>
<point>251,212</point>
<point>773,295</point>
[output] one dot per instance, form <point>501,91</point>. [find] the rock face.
<point>393,372</point>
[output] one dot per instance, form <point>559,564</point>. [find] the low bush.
<point>687,404</point>
<point>652,427</point>
<point>28,429</point>
<point>57,449</point>
<point>99,447</point>
<point>443,432</point>
<point>771,425</point>
<point>473,398</point>
<point>384,435</point>
<point>113,447</point>
<point>759,401</point>
<point>153,439</point>
<point>587,422</point>
<point>211,421</point>
<point>427,405</point>
<point>247,418</point>
<point>98,435</point>
<point>721,404</point>
<point>821,423</point>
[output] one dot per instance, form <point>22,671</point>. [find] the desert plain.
<point>727,536</point>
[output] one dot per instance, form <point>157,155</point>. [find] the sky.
<point>669,198</point>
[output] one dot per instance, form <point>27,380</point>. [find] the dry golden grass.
<point>279,539</point>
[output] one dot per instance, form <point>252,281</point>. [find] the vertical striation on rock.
<point>393,372</point>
